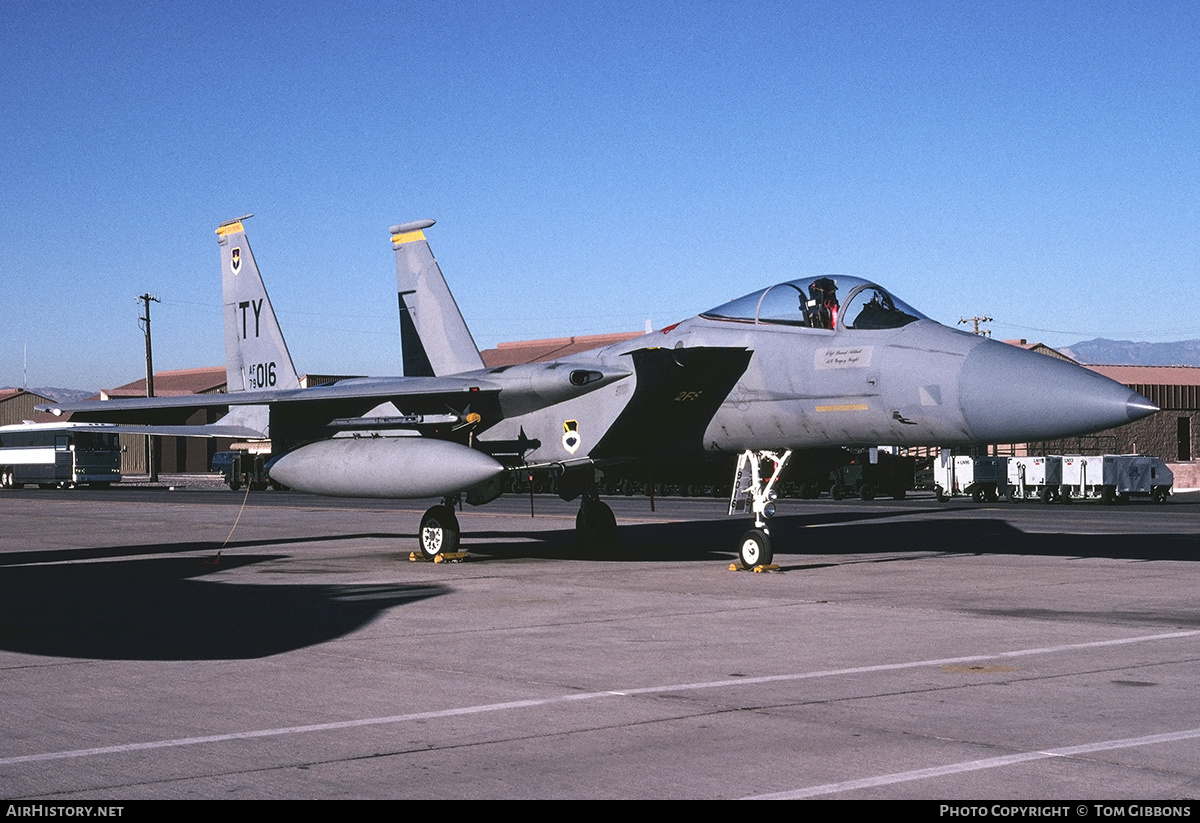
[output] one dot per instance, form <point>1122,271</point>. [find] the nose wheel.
<point>755,549</point>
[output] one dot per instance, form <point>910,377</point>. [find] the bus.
<point>59,455</point>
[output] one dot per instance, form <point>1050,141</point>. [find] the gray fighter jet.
<point>805,364</point>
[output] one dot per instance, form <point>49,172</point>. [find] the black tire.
<point>977,494</point>
<point>837,491</point>
<point>754,549</point>
<point>867,492</point>
<point>1064,494</point>
<point>991,494</point>
<point>438,533</point>
<point>1012,495</point>
<point>941,495</point>
<point>1108,495</point>
<point>6,478</point>
<point>1159,494</point>
<point>234,484</point>
<point>899,494</point>
<point>1047,495</point>
<point>595,525</point>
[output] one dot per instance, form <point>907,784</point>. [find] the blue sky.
<point>589,168</point>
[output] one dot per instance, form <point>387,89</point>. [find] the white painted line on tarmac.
<point>977,765</point>
<point>570,698</point>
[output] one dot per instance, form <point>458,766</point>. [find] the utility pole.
<point>976,320</point>
<point>146,299</point>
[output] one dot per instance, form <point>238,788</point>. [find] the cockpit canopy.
<point>827,302</point>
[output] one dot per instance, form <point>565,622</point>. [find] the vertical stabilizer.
<point>433,335</point>
<point>256,356</point>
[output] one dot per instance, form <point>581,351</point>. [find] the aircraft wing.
<point>148,409</point>
<point>296,415</point>
<point>302,415</point>
<point>208,430</point>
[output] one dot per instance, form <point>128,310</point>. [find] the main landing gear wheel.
<point>439,532</point>
<point>595,525</point>
<point>755,549</point>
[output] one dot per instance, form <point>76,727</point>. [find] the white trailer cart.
<point>1034,477</point>
<point>984,478</point>
<point>1114,478</point>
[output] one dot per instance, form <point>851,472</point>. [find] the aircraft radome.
<point>805,364</point>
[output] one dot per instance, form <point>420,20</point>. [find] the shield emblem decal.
<point>570,438</point>
<point>237,259</point>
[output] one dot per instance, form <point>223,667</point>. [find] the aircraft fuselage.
<point>921,384</point>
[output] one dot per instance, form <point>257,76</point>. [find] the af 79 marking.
<point>261,376</point>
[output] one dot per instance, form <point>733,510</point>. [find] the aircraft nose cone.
<point>1139,407</point>
<point>1009,395</point>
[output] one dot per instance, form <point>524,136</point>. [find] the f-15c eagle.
<point>808,363</point>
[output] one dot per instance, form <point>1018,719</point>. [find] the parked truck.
<point>242,468</point>
<point>874,472</point>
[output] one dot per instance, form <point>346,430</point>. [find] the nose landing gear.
<point>753,495</point>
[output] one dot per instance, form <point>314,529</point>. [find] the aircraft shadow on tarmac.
<point>155,609</point>
<point>122,606</point>
<point>105,552</point>
<point>676,541</point>
<point>841,534</point>
<point>982,537</point>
